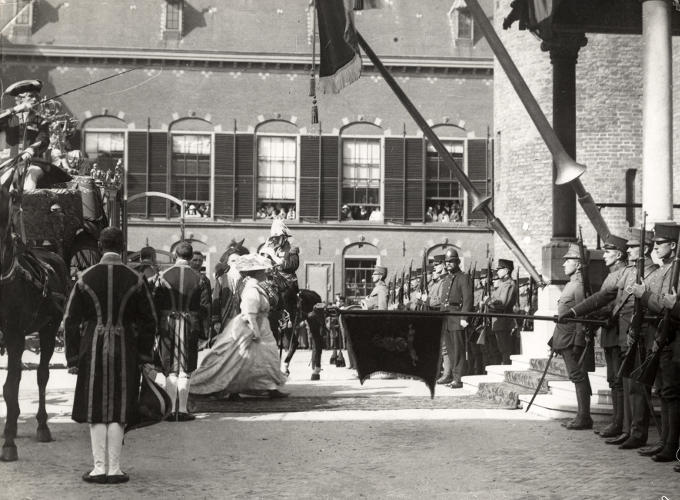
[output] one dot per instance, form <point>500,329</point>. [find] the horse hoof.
<point>44,436</point>
<point>316,376</point>
<point>9,454</point>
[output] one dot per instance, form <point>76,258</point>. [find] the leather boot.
<point>616,425</point>
<point>583,419</point>
<point>620,439</point>
<point>670,449</point>
<point>650,451</point>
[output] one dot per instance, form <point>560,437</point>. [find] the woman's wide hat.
<point>252,262</point>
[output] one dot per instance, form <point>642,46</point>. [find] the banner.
<point>403,343</point>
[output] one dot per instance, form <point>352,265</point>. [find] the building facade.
<point>217,113</point>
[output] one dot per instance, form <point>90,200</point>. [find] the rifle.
<point>588,353</point>
<point>646,372</point>
<point>486,322</point>
<point>519,324</point>
<point>400,295</point>
<point>408,284</point>
<point>635,327</point>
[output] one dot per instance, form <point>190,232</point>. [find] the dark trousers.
<point>455,348</point>
<point>492,356</point>
<point>504,342</point>
<point>571,355</point>
<point>475,358</point>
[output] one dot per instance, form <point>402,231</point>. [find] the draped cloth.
<point>236,362</point>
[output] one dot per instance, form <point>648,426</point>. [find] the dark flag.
<point>407,343</point>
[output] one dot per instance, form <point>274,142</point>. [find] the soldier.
<point>502,300</point>
<point>26,133</point>
<point>569,339</point>
<point>668,378</point>
<point>434,288</point>
<point>377,299</point>
<point>456,295</point>
<point>178,302</point>
<point>610,302</point>
<point>671,301</point>
<point>109,327</point>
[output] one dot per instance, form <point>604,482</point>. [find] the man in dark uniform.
<point>670,301</point>
<point>434,304</point>
<point>569,339</point>
<point>652,293</point>
<point>25,132</point>
<point>196,264</point>
<point>610,301</point>
<point>178,302</point>
<point>502,300</point>
<point>109,328</point>
<point>377,299</point>
<point>456,295</point>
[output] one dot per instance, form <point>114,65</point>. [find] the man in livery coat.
<point>178,302</point>
<point>503,300</point>
<point>284,257</point>
<point>110,328</point>
<point>456,295</point>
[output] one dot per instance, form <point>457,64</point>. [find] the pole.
<point>479,202</point>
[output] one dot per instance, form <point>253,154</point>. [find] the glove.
<point>566,315</point>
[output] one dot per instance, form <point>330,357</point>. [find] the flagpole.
<point>480,202</point>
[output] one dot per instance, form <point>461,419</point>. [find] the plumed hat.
<point>279,228</point>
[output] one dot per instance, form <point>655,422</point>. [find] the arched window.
<point>104,142</point>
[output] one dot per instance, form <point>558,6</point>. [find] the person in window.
<point>429,215</point>
<point>456,213</point>
<point>363,213</point>
<point>291,213</point>
<point>444,216</point>
<point>261,213</point>
<point>376,215</point>
<point>346,213</point>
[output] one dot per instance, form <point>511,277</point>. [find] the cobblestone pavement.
<point>380,453</point>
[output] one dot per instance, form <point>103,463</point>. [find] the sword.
<point>540,382</point>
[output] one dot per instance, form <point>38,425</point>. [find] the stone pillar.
<point>657,111</point>
<point>563,49</point>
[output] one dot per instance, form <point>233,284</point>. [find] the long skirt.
<point>236,363</point>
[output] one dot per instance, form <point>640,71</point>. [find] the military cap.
<point>23,86</point>
<point>634,237</point>
<point>505,264</point>
<point>438,259</point>
<point>666,231</point>
<point>573,252</point>
<point>451,255</point>
<point>382,270</point>
<point>613,242</point>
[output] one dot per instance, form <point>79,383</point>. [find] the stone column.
<point>657,111</point>
<point>563,49</point>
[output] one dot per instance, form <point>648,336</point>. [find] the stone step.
<point>558,367</point>
<point>550,406</point>
<point>501,392</point>
<point>472,381</point>
<point>529,379</point>
<point>501,369</point>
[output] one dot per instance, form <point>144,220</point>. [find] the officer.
<point>652,293</point>
<point>569,339</point>
<point>456,295</point>
<point>26,133</point>
<point>610,302</point>
<point>377,299</point>
<point>502,300</point>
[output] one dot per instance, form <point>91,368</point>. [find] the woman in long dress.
<point>244,358</point>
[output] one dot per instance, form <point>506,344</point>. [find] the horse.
<point>33,288</point>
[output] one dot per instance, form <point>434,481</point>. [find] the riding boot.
<point>582,420</point>
<point>98,439</point>
<point>115,433</point>
<point>340,361</point>
<point>670,449</point>
<point>183,383</point>
<point>447,376</point>
<point>171,388</point>
<point>649,451</point>
<point>614,428</point>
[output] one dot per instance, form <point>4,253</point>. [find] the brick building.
<point>217,113</point>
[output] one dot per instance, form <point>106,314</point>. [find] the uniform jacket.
<point>13,141</point>
<point>567,335</point>
<point>377,299</point>
<point>110,327</point>
<point>434,294</point>
<point>178,299</point>
<point>657,284</point>
<point>456,295</point>
<point>503,300</point>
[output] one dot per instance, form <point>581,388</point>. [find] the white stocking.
<point>115,433</point>
<point>183,392</point>
<point>98,439</point>
<point>171,387</point>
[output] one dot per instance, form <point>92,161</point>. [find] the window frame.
<point>374,259</point>
<point>464,166</point>
<point>296,198</point>
<point>381,170</point>
<point>18,21</point>
<point>211,165</point>
<point>95,130</point>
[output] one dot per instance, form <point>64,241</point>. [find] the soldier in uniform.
<point>434,304</point>
<point>502,300</point>
<point>178,302</point>
<point>26,133</point>
<point>652,293</point>
<point>456,295</point>
<point>610,302</point>
<point>569,339</point>
<point>109,328</point>
<point>671,302</point>
<point>377,299</point>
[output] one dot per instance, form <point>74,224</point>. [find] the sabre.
<point>540,382</point>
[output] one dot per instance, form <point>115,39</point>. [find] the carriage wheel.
<point>85,253</point>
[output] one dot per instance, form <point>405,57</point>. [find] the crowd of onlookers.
<point>449,211</point>
<point>361,212</point>
<point>277,211</point>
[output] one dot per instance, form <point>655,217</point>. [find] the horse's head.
<point>235,247</point>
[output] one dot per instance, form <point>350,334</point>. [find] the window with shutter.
<point>223,203</point>
<point>190,172</point>
<point>395,207</point>
<point>245,183</point>
<point>330,188</point>
<point>443,195</point>
<point>136,174</point>
<point>479,172</point>
<point>158,173</point>
<point>276,170</point>
<point>310,182</point>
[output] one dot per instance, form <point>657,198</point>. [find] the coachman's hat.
<point>506,264</point>
<point>573,252</point>
<point>23,86</point>
<point>666,231</point>
<point>615,243</point>
<point>381,270</point>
